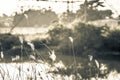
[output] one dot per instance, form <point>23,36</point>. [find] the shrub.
<point>87,38</point>
<point>8,41</point>
<point>58,33</point>
<point>11,46</point>
<point>40,44</point>
<point>59,38</point>
<point>112,41</point>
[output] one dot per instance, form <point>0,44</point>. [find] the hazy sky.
<point>10,6</point>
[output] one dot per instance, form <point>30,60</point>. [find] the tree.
<point>35,17</point>
<point>90,11</point>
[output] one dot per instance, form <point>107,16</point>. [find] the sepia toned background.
<point>59,40</point>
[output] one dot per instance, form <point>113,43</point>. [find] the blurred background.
<point>78,32</point>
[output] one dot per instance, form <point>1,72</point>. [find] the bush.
<point>59,38</point>
<point>112,41</point>
<point>8,41</point>
<point>58,34</point>
<point>11,46</point>
<point>40,44</point>
<point>88,38</point>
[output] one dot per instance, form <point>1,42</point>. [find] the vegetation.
<point>89,10</point>
<point>86,40</point>
<point>90,49</point>
<point>112,42</point>
<point>99,41</point>
<point>37,18</point>
<point>8,41</point>
<point>59,38</point>
<point>11,46</point>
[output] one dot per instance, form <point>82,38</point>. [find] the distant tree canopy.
<point>89,10</point>
<point>68,17</point>
<point>35,17</point>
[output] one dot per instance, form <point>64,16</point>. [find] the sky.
<point>9,7</point>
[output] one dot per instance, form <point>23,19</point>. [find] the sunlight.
<point>58,7</point>
<point>8,7</point>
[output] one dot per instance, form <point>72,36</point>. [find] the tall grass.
<point>36,69</point>
<point>56,70</point>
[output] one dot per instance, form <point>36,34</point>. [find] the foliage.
<point>10,45</point>
<point>99,41</point>
<point>8,41</point>
<point>92,4</point>
<point>67,17</point>
<point>112,41</point>
<point>90,11</point>
<point>59,37</point>
<point>34,17</point>
<point>84,38</point>
<point>88,69</point>
<point>40,44</point>
<point>92,15</point>
<point>87,38</point>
